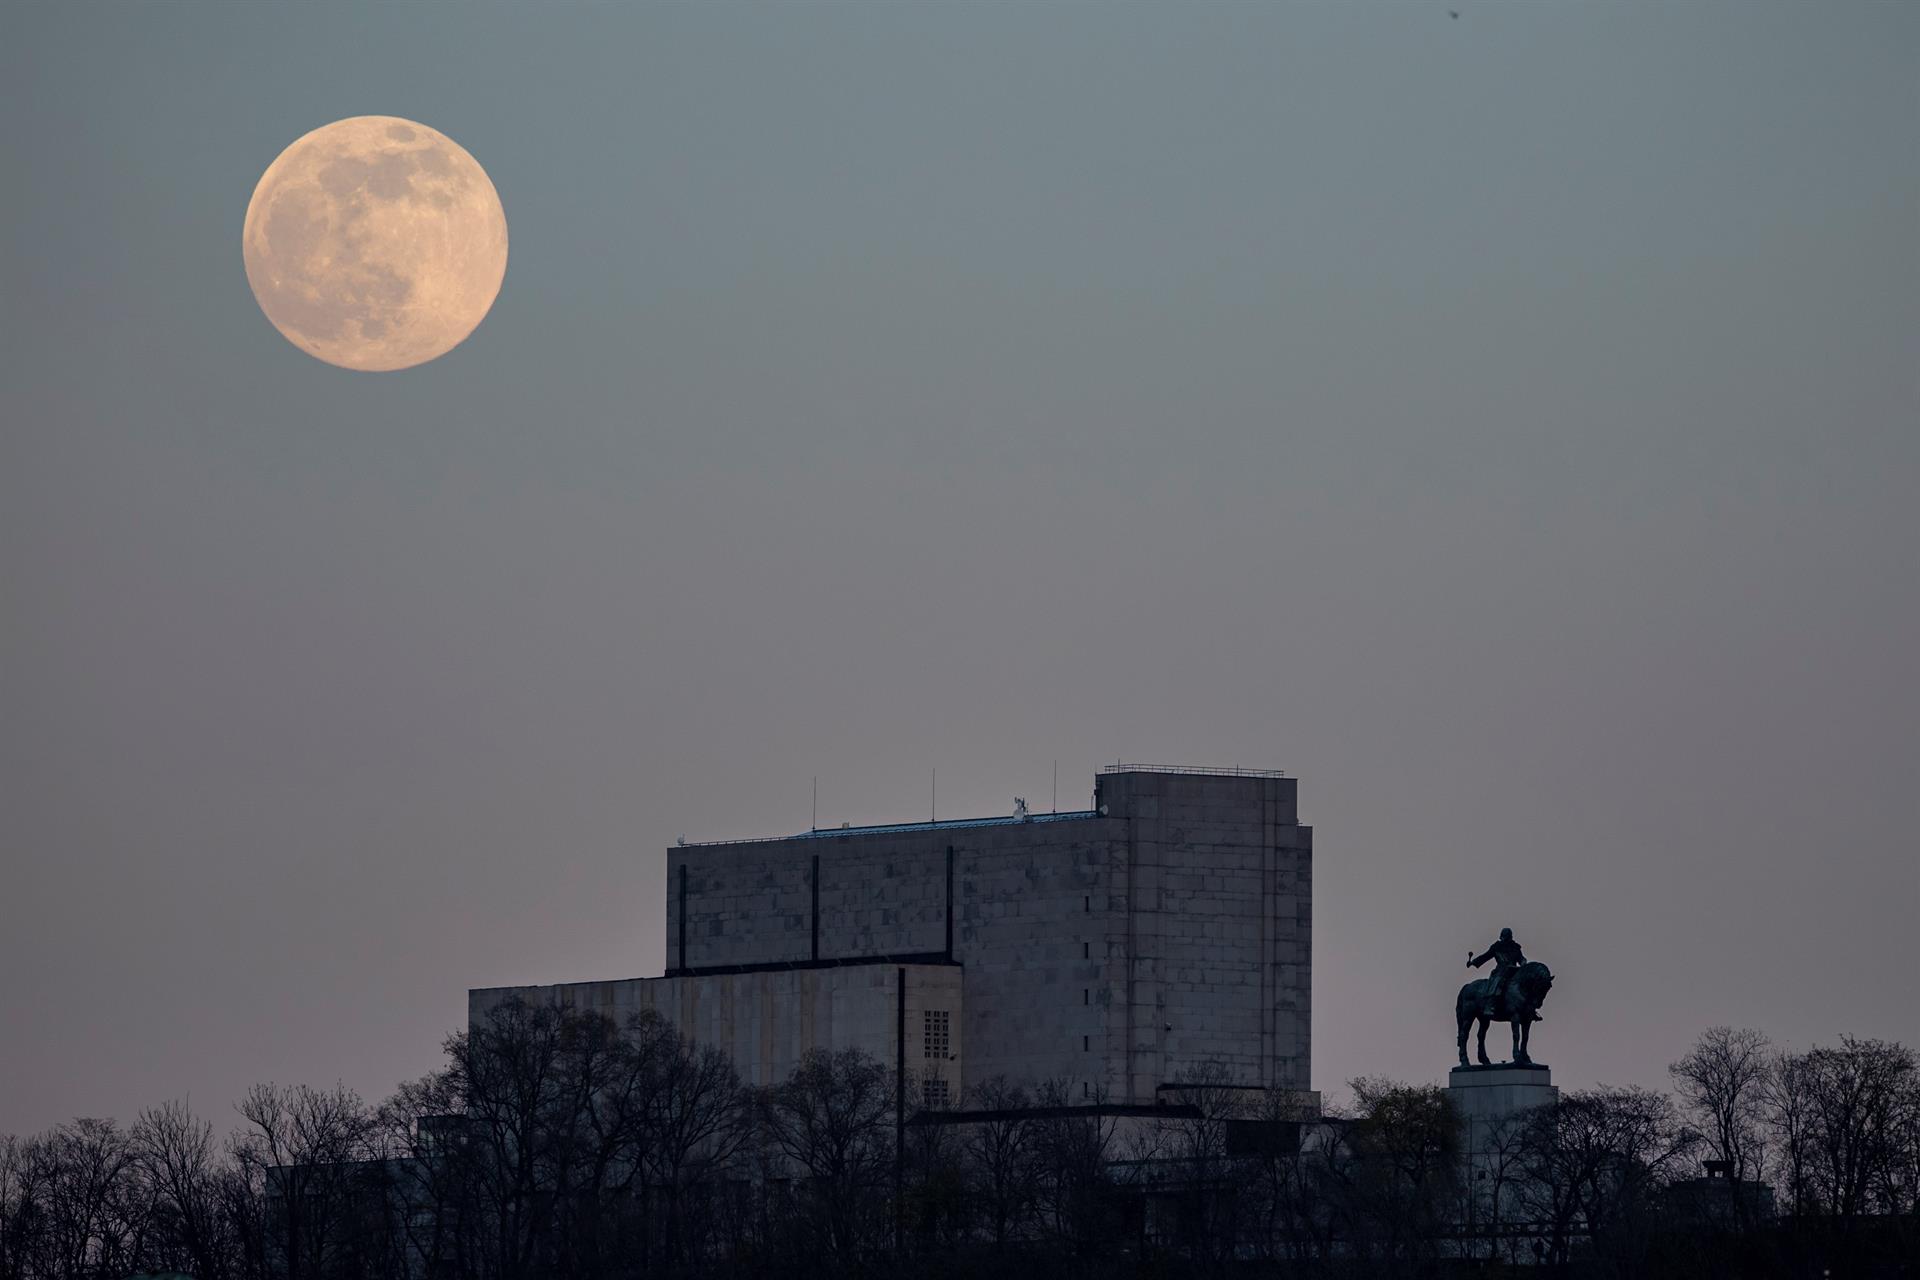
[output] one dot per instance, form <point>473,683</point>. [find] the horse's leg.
<point>1461,1017</point>
<point>1484,1061</point>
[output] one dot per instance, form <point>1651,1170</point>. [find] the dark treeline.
<point>555,1143</point>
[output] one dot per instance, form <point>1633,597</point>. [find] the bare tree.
<point>833,1120</point>
<point>695,1118</point>
<point>1495,1184</point>
<point>1901,1193</point>
<point>1207,1190</point>
<point>1282,1176</point>
<point>506,1072</point>
<point>84,1210</point>
<point>18,1211</point>
<point>244,1210</point>
<point>1592,1163</point>
<point>1403,1185</point>
<point>938,1200</point>
<point>593,1136</point>
<point>434,1184</point>
<point>178,1159</point>
<point>1787,1111</point>
<point>1854,1095</point>
<point>1722,1082</point>
<point>999,1151</point>
<point>1845,1121</point>
<point>307,1149</point>
<point>1073,1170</point>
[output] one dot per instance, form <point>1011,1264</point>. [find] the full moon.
<point>375,243</point>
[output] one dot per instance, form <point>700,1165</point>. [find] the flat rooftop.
<point>1002,820</point>
<point>901,828</point>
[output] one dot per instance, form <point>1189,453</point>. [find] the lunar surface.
<point>375,243</point>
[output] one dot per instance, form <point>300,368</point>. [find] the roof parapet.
<point>1231,771</point>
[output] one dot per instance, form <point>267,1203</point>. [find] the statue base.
<point>1483,1068</point>
<point>1491,1100</point>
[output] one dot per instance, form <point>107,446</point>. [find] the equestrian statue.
<point>1512,995</point>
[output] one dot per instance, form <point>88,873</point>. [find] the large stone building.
<point>1117,949</point>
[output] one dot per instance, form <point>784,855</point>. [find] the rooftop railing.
<point>1230,771</point>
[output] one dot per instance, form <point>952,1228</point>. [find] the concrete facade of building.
<point>766,1020</point>
<point>1116,949</point>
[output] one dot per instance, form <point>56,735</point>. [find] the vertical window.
<point>1086,905</point>
<point>1086,951</point>
<point>1086,996</point>
<point>1086,1044</point>
<point>938,1030</point>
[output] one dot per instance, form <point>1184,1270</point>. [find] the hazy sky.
<point>1508,425</point>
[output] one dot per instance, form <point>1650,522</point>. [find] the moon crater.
<point>375,243</point>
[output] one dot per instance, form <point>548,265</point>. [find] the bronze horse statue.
<point>1519,1004</point>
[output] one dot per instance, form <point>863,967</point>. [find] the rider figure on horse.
<point>1507,959</point>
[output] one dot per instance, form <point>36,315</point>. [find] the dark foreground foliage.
<point>554,1143</point>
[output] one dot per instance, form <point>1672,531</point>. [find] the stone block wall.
<point>767,1020</point>
<point>1114,950</point>
<point>1215,878</point>
<point>1037,929</point>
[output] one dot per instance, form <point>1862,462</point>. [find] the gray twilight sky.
<point>1508,425</point>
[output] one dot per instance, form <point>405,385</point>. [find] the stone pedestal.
<point>1489,1098</point>
<point>1492,1103</point>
